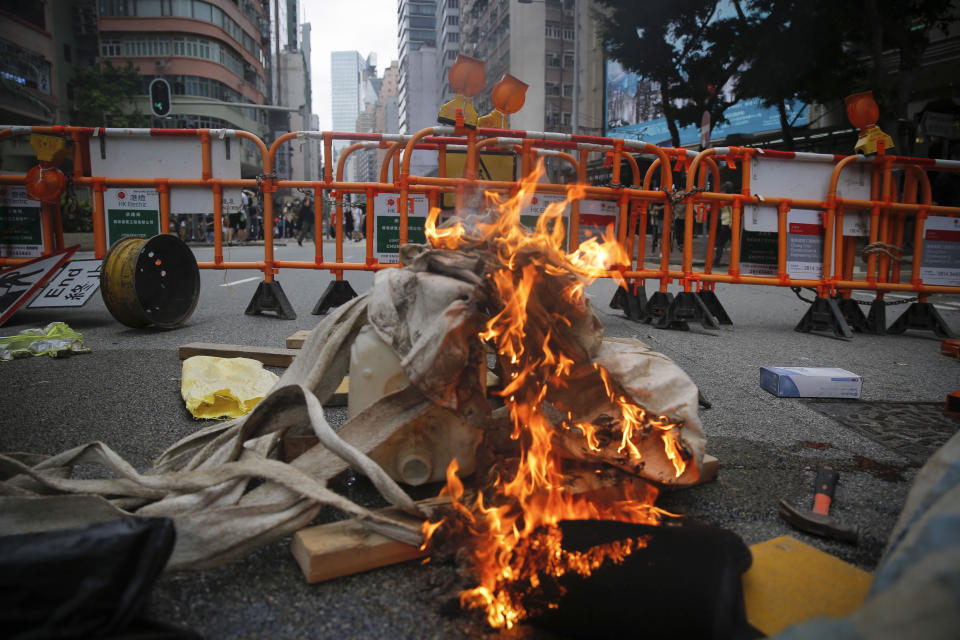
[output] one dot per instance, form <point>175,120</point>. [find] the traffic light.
<point>159,97</point>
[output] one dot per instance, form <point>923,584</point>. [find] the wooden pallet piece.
<point>272,356</point>
<point>296,340</point>
<point>338,549</point>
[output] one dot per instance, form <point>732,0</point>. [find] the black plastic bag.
<point>684,584</point>
<point>82,582</point>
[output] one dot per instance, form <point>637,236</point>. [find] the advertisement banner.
<point>941,251</point>
<point>386,226</point>
<point>21,228</point>
<point>131,213</point>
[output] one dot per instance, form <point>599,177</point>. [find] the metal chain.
<point>679,195</point>
<point>891,251</point>
<point>264,176</point>
<point>864,303</point>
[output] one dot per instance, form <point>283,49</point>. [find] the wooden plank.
<point>337,549</point>
<point>296,340</point>
<point>273,356</point>
<point>790,582</point>
<point>709,470</point>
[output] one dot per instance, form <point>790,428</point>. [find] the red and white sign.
<point>18,283</point>
<point>940,264</point>
<point>805,244</point>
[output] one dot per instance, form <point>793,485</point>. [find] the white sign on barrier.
<point>386,224</point>
<point>171,157</point>
<point>805,180</point>
<point>941,251</point>
<point>21,226</point>
<point>131,213</point>
<point>805,244</point>
<point>595,216</point>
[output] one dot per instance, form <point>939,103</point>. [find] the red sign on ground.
<point>20,282</point>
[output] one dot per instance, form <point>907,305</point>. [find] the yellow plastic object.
<point>463,104</point>
<point>223,387</point>
<point>49,148</point>
<point>791,582</point>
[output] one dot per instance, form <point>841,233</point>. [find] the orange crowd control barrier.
<point>798,206</point>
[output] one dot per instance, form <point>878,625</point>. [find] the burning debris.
<point>586,430</point>
<point>570,401</point>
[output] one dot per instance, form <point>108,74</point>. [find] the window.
<point>110,47</point>
<point>453,37</point>
<point>552,89</point>
<point>567,32</point>
<point>203,11</point>
<point>453,20</point>
<point>451,55</point>
<point>453,4</point>
<point>149,8</point>
<point>182,8</point>
<point>67,53</point>
<point>568,59</point>
<point>553,29</point>
<point>553,60</point>
<point>566,119</point>
<point>567,90</point>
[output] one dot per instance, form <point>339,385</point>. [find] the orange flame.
<point>515,541</point>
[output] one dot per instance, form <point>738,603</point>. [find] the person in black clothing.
<point>305,217</point>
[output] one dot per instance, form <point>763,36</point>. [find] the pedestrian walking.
<point>305,216</point>
<point>357,224</point>
<point>724,233</point>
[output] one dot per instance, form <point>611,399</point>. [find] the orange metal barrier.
<point>893,210</point>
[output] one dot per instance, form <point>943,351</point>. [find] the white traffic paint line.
<point>230,284</point>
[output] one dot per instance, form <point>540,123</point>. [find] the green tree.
<point>904,27</point>
<point>796,50</point>
<point>104,97</point>
<point>680,45</point>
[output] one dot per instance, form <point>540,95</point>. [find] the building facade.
<point>448,43</point>
<point>416,29</point>
<point>549,44</point>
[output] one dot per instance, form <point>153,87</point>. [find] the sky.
<point>346,25</point>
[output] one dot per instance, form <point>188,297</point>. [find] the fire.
<point>512,525</point>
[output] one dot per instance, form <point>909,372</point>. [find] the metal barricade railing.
<point>698,197</point>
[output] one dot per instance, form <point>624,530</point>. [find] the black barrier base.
<point>270,297</point>
<point>338,292</point>
<point>657,307</point>
<point>824,315</point>
<point>877,318</point>
<point>632,303</point>
<point>687,307</point>
<point>853,315</point>
<point>923,316</point>
<point>710,300</point>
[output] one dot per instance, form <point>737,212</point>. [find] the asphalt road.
<point>126,393</point>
